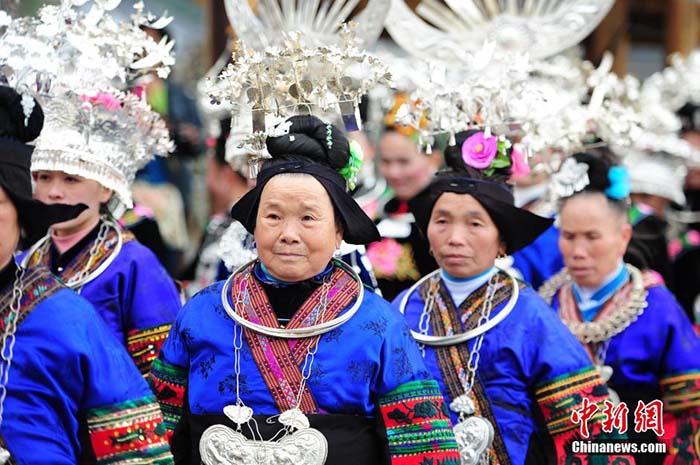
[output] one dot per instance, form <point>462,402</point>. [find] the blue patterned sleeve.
<point>151,303</point>
<point>116,399</point>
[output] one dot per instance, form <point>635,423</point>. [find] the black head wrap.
<point>517,227</point>
<point>15,161</point>
<point>320,150</point>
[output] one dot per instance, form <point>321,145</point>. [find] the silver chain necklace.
<point>85,276</point>
<point>619,319</point>
<point>425,339</point>
<point>296,443</point>
<point>601,332</point>
<point>8,345</point>
<point>474,433</point>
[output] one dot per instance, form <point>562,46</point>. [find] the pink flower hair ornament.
<point>486,153</point>
<point>520,168</point>
<point>106,100</point>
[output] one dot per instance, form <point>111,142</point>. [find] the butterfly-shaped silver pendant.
<point>474,434</point>
<point>220,445</point>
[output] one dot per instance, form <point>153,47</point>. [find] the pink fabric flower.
<point>674,248</point>
<point>385,255</point>
<point>520,168</point>
<point>693,237</point>
<point>479,151</point>
<point>108,101</point>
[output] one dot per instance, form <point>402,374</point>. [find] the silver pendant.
<point>4,456</point>
<point>606,372</point>
<point>474,434</point>
<point>220,445</point>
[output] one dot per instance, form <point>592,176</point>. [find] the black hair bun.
<point>311,138</point>
<point>456,164</point>
<point>598,168</point>
<point>12,117</point>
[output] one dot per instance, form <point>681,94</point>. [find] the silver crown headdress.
<point>448,101</point>
<point>540,28</point>
<point>319,20</point>
<point>296,79</point>
<point>74,62</point>
<point>64,48</point>
<point>106,137</point>
<point>495,53</point>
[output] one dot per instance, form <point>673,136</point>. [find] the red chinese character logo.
<point>649,417</point>
<point>581,416</point>
<point>615,417</point>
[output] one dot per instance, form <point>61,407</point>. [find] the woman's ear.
<point>105,194</point>
<point>338,238</point>
<point>502,249</point>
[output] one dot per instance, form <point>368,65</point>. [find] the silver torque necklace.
<point>423,338</point>
<point>85,276</point>
<point>474,434</point>
<point>8,345</point>
<point>296,443</point>
<point>309,331</point>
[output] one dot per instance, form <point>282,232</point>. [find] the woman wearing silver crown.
<point>89,153</point>
<point>630,324</point>
<point>291,360</point>
<point>69,392</point>
<point>510,372</point>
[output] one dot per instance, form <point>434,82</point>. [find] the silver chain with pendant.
<point>85,275</point>
<point>474,433</point>
<point>605,371</point>
<point>74,281</point>
<point>8,345</point>
<point>296,443</point>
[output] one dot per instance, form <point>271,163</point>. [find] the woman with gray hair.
<point>318,364</point>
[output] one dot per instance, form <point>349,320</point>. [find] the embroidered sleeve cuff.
<point>168,382</point>
<point>144,345</point>
<point>681,391</point>
<point>130,432</point>
<point>559,397</point>
<point>418,426</point>
<point>681,415</point>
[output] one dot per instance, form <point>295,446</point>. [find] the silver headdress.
<point>658,158</point>
<point>319,21</point>
<point>106,137</point>
<point>490,82</point>
<point>77,64</point>
<point>485,94</point>
<point>64,48</point>
<point>296,79</point>
<point>540,28</point>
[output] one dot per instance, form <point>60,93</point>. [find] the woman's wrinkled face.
<point>9,228</point>
<point>463,237</point>
<point>405,168</point>
<point>295,229</point>
<point>593,238</point>
<point>59,187</point>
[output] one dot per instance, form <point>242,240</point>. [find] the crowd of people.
<point>435,289</point>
